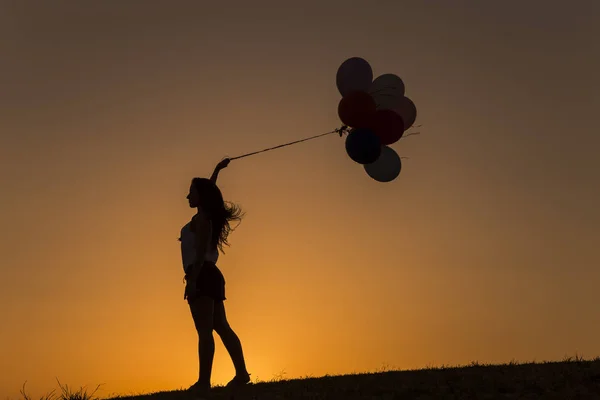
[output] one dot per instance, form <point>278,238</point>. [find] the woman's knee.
<point>220,323</point>
<point>205,335</point>
<point>223,329</point>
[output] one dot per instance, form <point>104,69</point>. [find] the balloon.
<point>387,167</point>
<point>363,146</point>
<point>356,109</point>
<point>387,90</point>
<point>408,111</point>
<point>355,74</point>
<point>388,125</point>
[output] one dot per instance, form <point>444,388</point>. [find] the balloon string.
<point>340,131</point>
<point>410,134</point>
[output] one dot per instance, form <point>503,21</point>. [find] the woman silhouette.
<point>201,239</point>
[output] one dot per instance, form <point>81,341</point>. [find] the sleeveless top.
<point>188,248</point>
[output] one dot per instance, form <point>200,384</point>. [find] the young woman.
<point>201,239</point>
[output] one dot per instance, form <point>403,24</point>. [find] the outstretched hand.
<point>223,163</point>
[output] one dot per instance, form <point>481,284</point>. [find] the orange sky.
<point>485,248</point>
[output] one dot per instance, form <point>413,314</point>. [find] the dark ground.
<point>578,379</point>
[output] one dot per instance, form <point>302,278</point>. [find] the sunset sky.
<point>487,246</point>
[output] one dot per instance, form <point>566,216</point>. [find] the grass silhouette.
<point>572,378</point>
<point>66,393</point>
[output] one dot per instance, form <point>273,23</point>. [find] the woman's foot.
<point>239,380</point>
<point>199,390</point>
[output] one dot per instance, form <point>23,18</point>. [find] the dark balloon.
<point>355,74</point>
<point>363,146</point>
<point>356,109</point>
<point>388,125</point>
<point>387,167</point>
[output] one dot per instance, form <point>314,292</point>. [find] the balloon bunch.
<point>377,113</point>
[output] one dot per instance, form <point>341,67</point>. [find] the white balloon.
<point>408,111</point>
<point>387,90</point>
<point>387,167</point>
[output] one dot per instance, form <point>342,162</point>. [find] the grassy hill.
<point>570,379</point>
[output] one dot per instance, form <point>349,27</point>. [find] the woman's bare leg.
<point>202,309</point>
<point>231,341</point>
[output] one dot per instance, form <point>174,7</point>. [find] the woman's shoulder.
<point>198,220</point>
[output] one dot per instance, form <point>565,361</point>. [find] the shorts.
<point>211,282</point>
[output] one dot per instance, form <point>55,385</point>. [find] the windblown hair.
<point>220,212</point>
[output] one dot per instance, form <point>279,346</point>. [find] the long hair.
<point>220,212</point>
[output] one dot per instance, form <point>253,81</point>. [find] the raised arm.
<point>223,164</point>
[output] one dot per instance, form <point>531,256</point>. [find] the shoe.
<point>200,391</point>
<point>239,380</point>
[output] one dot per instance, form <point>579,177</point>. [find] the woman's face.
<point>193,197</point>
